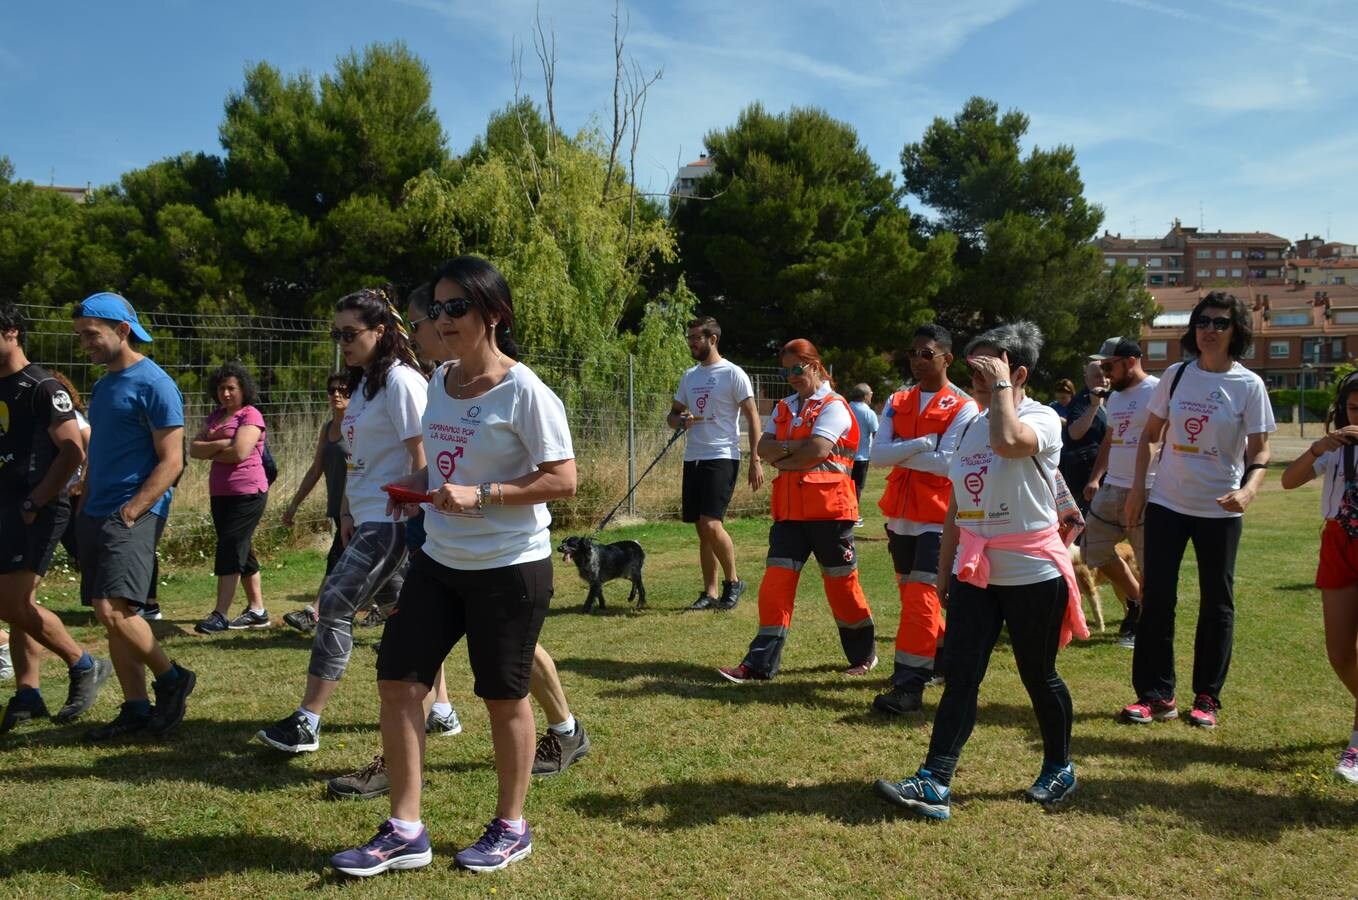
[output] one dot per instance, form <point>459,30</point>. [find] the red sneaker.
<point>1143,712</point>
<point>862,668</point>
<point>1204,712</point>
<point>741,674</point>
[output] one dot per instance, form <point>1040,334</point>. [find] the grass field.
<point>699,787</point>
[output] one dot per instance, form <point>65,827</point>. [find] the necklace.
<point>459,385</point>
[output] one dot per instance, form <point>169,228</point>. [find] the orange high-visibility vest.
<point>910,494</point>
<point>825,491</point>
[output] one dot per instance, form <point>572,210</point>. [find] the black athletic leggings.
<point>1033,613</point>
<point>1215,542</point>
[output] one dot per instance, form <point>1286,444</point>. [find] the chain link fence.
<point>617,425</point>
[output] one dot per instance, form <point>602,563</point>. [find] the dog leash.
<point>678,432</point>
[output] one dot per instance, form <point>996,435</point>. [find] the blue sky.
<point>1237,113</point>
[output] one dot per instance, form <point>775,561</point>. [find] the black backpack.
<point>270,466</point>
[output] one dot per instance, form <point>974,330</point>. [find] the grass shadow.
<point>1234,813</point>
<point>692,681</point>
<point>695,804</point>
<point>128,859</point>
<point>1173,754</point>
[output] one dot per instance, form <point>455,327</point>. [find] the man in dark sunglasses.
<point>711,399</point>
<point>919,432</point>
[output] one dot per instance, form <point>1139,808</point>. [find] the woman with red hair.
<point>810,441</point>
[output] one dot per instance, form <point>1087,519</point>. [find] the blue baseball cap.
<point>115,308</point>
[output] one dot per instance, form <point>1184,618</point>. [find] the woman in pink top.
<point>233,438</point>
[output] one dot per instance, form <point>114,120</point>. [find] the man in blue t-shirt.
<point>136,454</point>
<point>860,402</point>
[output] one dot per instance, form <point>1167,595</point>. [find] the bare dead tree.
<point>544,44</point>
<point>533,193</point>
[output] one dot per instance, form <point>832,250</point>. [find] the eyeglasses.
<point>1220,323</point>
<point>347,335</point>
<point>794,371</point>
<point>336,390</point>
<point>925,354</point>
<point>456,308</point>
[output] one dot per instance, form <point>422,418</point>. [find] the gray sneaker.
<point>556,752</point>
<point>367,783</point>
<point>304,619</point>
<point>6,664</point>
<point>730,595</point>
<point>251,619</point>
<point>375,617</point>
<point>215,623</point>
<point>442,726</point>
<point>84,688</point>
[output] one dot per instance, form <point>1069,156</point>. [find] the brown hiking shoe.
<point>556,752</point>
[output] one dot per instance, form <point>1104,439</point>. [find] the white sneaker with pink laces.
<point>1348,765</point>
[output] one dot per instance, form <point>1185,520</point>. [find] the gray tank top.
<point>335,465</point>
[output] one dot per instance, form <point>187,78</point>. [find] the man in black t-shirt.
<point>40,449</point>
<point>1082,433</point>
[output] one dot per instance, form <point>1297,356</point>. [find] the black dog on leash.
<point>598,563</point>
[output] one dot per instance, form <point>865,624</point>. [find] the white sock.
<point>443,710</point>
<point>566,727</point>
<point>515,825</point>
<point>408,830</point>
<point>312,718</point>
<point>1353,738</point>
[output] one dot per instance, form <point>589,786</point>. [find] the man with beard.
<point>1120,361</point>
<point>708,404</point>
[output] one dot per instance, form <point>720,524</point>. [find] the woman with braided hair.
<point>381,430</point>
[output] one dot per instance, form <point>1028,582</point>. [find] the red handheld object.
<point>405,495</point>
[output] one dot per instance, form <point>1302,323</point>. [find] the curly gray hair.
<point>1019,340</point>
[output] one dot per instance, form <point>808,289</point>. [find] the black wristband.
<point>1250,468</point>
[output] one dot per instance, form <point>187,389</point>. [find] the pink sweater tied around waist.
<point>974,567</point>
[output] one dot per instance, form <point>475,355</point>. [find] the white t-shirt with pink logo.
<point>374,433</point>
<point>1208,418</point>
<point>997,496</point>
<point>713,395</point>
<point>505,433</point>
<point>1127,411</point>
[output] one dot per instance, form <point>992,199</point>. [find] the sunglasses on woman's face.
<point>347,335</point>
<point>1220,323</point>
<point>456,308</point>
<point>336,390</point>
<point>787,372</point>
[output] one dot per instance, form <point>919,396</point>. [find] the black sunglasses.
<point>346,336</point>
<point>925,354</point>
<point>1220,323</point>
<point>456,308</point>
<point>336,389</point>
<point>790,372</point>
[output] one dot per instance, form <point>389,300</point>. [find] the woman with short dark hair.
<point>1012,570</point>
<point>232,437</point>
<point>1214,417</point>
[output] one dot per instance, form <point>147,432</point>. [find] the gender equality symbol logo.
<point>1194,427</point>
<point>447,462</point>
<point>974,482</point>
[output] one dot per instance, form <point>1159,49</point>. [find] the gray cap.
<point>1116,347</point>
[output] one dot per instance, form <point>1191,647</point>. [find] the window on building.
<point>1339,279</point>
<point>1157,280</point>
<point>1221,273</point>
<point>1109,261</point>
<point>1204,273</point>
<point>1273,254</point>
<point>1154,262</point>
<point>1279,349</point>
<point>1133,262</point>
<point>1337,349</point>
<point>1157,349</point>
<point>1345,317</point>
<point>1171,320</point>
<point>1237,273</point>
<point>1292,317</point>
<point>1204,254</point>
<point>1221,254</point>
<point>1237,254</point>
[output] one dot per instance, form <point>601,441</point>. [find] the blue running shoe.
<point>920,794</point>
<point>498,847</point>
<point>1053,786</point>
<point>387,850</point>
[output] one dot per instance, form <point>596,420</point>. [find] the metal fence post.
<point>631,438</point>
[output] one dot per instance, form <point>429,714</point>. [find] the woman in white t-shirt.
<point>1012,569</point>
<point>1335,458</point>
<point>1214,417</point>
<point>498,448</point>
<point>381,431</point>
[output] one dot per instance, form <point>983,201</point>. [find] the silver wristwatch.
<point>1000,385</point>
